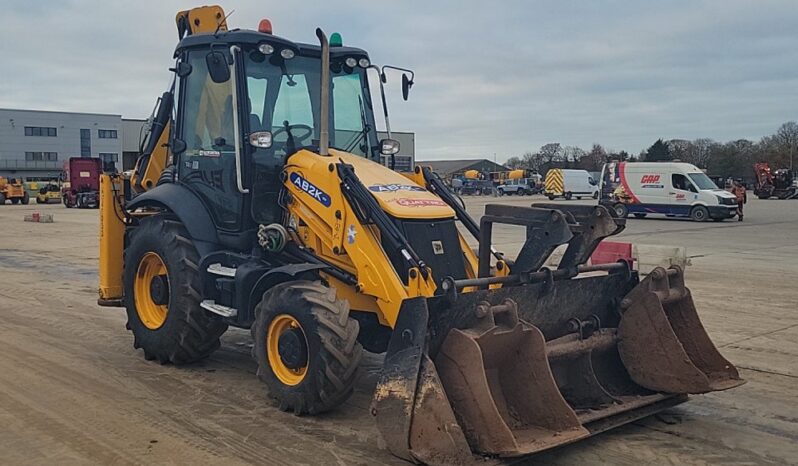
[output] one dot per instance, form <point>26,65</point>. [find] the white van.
<point>674,189</point>
<point>566,183</point>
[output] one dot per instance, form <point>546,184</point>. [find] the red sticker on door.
<point>420,202</point>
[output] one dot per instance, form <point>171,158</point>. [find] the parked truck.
<point>82,185</point>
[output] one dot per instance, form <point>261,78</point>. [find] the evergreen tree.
<point>658,152</point>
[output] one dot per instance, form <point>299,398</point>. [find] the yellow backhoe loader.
<point>12,189</point>
<point>258,201</point>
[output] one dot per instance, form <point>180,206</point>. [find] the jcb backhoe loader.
<point>13,190</point>
<point>258,202</point>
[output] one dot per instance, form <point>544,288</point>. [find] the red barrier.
<point>609,252</point>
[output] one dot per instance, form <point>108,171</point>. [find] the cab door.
<point>681,195</point>
<point>207,123</point>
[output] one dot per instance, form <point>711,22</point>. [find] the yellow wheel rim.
<point>151,314</point>
<point>277,327</point>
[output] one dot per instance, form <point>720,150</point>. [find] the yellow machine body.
<point>342,240</point>
<point>112,236</point>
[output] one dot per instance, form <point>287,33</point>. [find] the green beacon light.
<point>336,40</point>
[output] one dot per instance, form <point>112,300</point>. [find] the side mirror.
<point>389,147</point>
<point>260,139</point>
<point>407,83</point>
<point>217,67</point>
<point>177,146</point>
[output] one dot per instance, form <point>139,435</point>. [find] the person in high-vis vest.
<point>739,190</point>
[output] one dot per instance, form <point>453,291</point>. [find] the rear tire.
<point>323,376</point>
<point>186,333</point>
<point>26,198</point>
<point>551,197</point>
<point>699,213</point>
<point>2,199</point>
<point>567,196</point>
<point>620,210</point>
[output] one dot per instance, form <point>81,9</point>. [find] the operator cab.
<point>266,90</point>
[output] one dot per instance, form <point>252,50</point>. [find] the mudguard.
<point>188,208</point>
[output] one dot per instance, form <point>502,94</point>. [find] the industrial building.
<point>34,144</point>
<point>451,168</point>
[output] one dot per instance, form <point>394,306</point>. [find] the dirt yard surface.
<point>74,391</point>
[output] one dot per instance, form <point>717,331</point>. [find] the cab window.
<point>681,182</point>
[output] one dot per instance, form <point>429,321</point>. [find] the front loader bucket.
<point>547,358</point>
<point>662,342</point>
<point>501,387</point>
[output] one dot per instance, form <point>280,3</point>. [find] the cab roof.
<point>249,37</point>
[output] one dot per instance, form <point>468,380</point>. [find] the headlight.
<point>287,54</point>
<point>364,62</point>
<point>266,49</point>
<point>389,147</point>
<point>351,62</point>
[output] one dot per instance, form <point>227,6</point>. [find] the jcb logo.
<point>649,179</point>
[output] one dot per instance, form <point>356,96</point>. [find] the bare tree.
<point>679,149</point>
<point>534,161</point>
<point>515,162</point>
<point>572,154</point>
<point>699,151</point>
<point>787,135</point>
<point>551,152</point>
<point>595,159</point>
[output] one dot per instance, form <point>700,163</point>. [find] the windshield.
<point>702,181</point>
<point>283,97</point>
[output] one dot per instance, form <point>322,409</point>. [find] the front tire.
<point>306,346</point>
<point>699,213</point>
<point>26,198</point>
<point>162,294</point>
<point>551,197</point>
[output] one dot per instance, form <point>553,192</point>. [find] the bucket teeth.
<point>662,342</point>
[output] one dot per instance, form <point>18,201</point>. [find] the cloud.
<point>491,77</point>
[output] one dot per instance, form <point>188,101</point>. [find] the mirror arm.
<point>384,104</point>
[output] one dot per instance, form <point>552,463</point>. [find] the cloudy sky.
<point>498,77</point>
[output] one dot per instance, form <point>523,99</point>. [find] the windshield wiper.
<point>366,127</point>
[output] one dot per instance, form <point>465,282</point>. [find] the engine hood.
<point>721,193</point>
<point>398,196</point>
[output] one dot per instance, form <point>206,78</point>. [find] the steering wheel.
<point>308,131</point>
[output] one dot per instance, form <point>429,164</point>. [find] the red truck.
<point>82,182</point>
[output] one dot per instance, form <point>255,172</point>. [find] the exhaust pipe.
<point>324,123</point>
